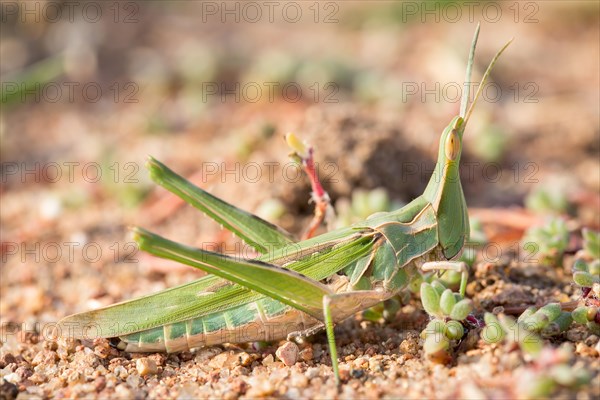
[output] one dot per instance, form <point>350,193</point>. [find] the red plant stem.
<point>309,168</point>
<point>319,196</point>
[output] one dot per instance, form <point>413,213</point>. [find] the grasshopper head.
<point>444,190</point>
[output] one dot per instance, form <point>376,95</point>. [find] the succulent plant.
<point>548,199</point>
<point>588,316</point>
<point>591,243</point>
<point>448,310</point>
<point>548,320</point>
<point>501,327</point>
<point>550,241</point>
<point>586,274</point>
<point>440,302</point>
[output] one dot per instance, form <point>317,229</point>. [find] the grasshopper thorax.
<point>445,192</point>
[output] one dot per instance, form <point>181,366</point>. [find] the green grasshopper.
<point>292,288</point>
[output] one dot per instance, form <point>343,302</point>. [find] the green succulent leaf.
<point>527,313</point>
<point>447,301</point>
<point>594,267</point>
<point>430,299</point>
<point>591,242</point>
<point>531,344</point>
<point>542,317</point>
<point>580,265</point>
<point>584,279</point>
<point>593,327</point>
<point>436,343</point>
<point>438,286</point>
<point>516,332</point>
<point>493,332</point>
<point>490,319</point>
<point>580,315</point>
<point>461,309</point>
<point>454,330</point>
<point>434,326</point>
<point>559,325</point>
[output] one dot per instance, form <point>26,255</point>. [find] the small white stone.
<point>288,353</point>
<point>50,208</point>
<point>268,360</point>
<point>12,378</point>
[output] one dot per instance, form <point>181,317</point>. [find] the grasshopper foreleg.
<point>457,266</point>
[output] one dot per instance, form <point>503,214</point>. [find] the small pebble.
<point>245,359</point>
<point>306,354</point>
<point>123,392</point>
<point>24,372</point>
<point>586,350</point>
<point>375,365</point>
<point>7,359</point>
<point>576,335</point>
<point>298,380</point>
<point>134,380</point>
<point>219,361</point>
<point>357,373</point>
<point>344,373</point>
<point>146,366</point>
<point>102,351</point>
<point>268,360</point>
<point>591,340</point>
<point>74,377</point>
<point>12,378</point>
<point>288,353</point>
<point>100,383</point>
<point>50,345</point>
<point>239,386</point>
<point>260,388</point>
<point>206,353</point>
<point>409,346</point>
<point>361,362</point>
<point>8,390</point>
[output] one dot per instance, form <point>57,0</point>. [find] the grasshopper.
<point>292,288</point>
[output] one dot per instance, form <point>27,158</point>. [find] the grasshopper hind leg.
<point>306,332</point>
<point>339,306</point>
<point>331,337</point>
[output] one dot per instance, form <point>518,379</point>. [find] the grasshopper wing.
<point>212,294</point>
<point>203,296</point>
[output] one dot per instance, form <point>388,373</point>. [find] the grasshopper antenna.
<point>467,85</point>
<point>485,75</point>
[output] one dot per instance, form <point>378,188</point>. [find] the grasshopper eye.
<point>452,145</point>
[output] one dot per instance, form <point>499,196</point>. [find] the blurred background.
<point>210,88</point>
